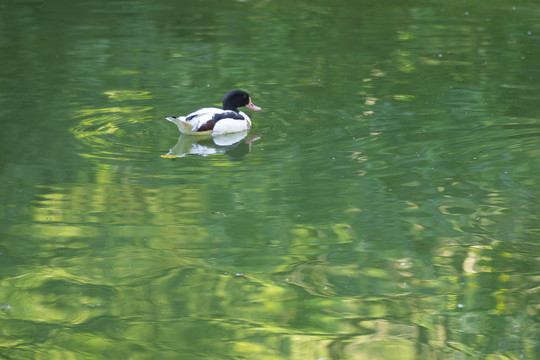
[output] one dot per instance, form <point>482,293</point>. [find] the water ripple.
<point>113,132</point>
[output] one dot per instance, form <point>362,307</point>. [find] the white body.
<point>200,117</point>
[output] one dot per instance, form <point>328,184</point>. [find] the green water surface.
<point>385,204</point>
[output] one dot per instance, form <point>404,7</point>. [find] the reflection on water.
<point>229,144</point>
<point>384,206</point>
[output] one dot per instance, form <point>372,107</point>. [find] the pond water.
<point>385,204</point>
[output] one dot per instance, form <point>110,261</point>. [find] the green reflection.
<point>388,209</point>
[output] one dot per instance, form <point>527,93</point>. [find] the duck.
<point>214,121</point>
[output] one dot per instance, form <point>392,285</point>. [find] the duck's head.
<point>238,98</point>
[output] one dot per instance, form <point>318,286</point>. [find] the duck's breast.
<point>240,122</point>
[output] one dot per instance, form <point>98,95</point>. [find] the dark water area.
<point>384,205</point>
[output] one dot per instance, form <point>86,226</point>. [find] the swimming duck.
<point>216,121</point>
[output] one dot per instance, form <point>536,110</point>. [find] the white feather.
<point>202,116</point>
<point>227,126</point>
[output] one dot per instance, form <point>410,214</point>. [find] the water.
<point>386,207</point>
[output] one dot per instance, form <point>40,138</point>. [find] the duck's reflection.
<point>231,145</point>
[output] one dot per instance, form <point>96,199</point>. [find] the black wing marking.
<point>227,115</point>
